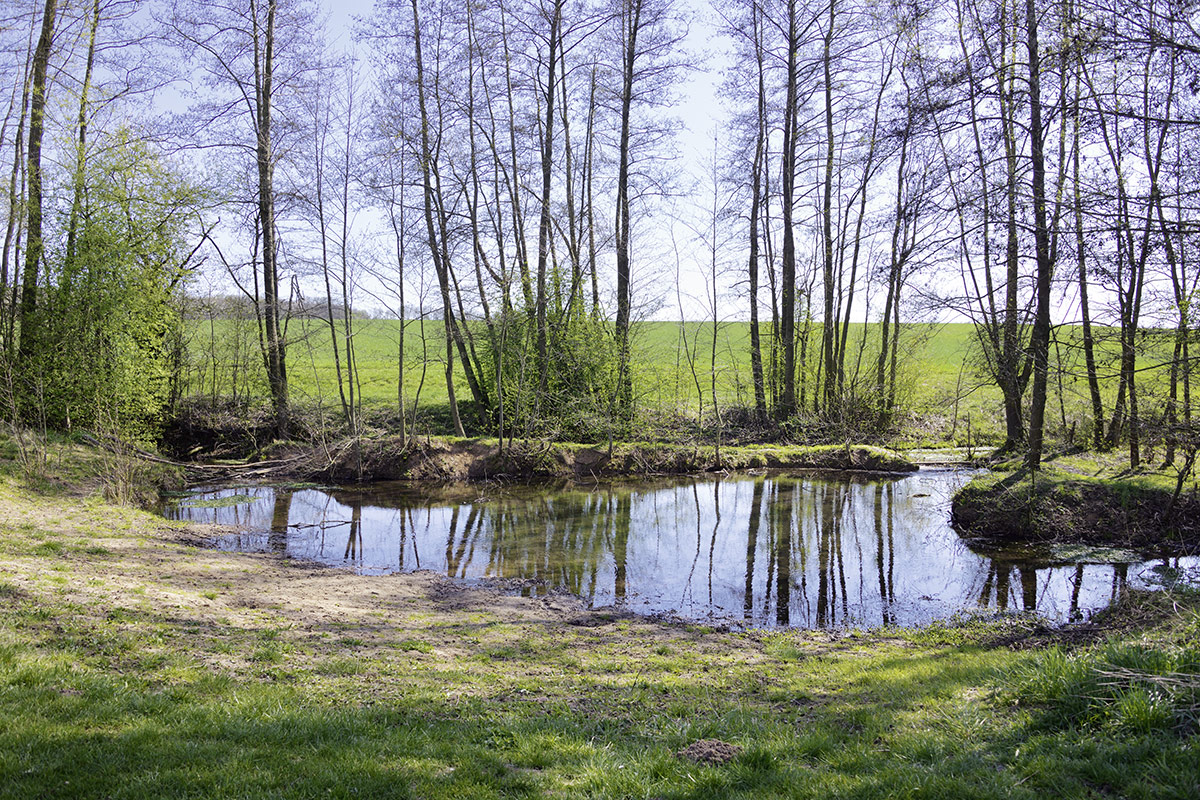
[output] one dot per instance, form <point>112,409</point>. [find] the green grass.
<point>144,675</point>
<point>1089,468</point>
<point>1117,689</point>
<point>663,374</point>
<point>939,385</point>
<point>869,719</point>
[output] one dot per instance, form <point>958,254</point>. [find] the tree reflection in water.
<point>777,550</point>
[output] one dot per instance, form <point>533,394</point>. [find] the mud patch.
<point>709,751</point>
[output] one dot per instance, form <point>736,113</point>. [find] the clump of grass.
<point>1121,686</point>
<point>49,549</point>
<point>267,654</point>
<point>973,628</point>
<point>341,666</point>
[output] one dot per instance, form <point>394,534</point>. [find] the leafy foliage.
<point>108,315</point>
<point>576,402</point>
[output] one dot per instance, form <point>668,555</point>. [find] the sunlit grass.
<point>127,670</point>
<point>945,395</point>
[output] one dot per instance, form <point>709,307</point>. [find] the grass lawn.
<point>136,663</point>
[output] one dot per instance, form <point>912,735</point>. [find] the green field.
<point>941,388</point>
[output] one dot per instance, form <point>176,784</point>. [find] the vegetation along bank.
<point>1083,498</point>
<point>448,459</point>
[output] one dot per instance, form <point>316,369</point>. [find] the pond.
<point>799,550</point>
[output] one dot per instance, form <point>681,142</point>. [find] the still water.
<point>767,550</point>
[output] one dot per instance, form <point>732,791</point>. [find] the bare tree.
<point>250,55</point>
<point>649,41</point>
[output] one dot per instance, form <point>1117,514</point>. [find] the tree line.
<point>509,170</point>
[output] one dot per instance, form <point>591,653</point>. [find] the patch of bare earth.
<point>218,606</point>
<point>710,751</point>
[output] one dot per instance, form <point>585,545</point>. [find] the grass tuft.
<point>1134,687</point>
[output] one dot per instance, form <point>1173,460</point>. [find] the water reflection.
<point>799,551</point>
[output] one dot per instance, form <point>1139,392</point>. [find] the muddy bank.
<point>1010,508</point>
<point>388,458</point>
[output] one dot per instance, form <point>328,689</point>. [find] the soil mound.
<point>1109,514</point>
<point>710,751</point>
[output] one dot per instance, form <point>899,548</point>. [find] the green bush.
<point>581,372</point>
<point>101,353</point>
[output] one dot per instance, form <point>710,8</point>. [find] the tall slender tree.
<point>34,243</point>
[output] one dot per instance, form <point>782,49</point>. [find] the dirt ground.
<point>96,558</point>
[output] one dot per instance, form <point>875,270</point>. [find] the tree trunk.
<point>631,20</point>
<point>829,324</point>
<point>276,361</point>
<point>1039,348</point>
<point>430,228</point>
<point>34,245</point>
<point>756,365</point>
<point>1089,347</point>
<point>12,227</point>
<point>81,136</point>
<point>544,231</point>
<point>894,267</point>
<point>787,301</point>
